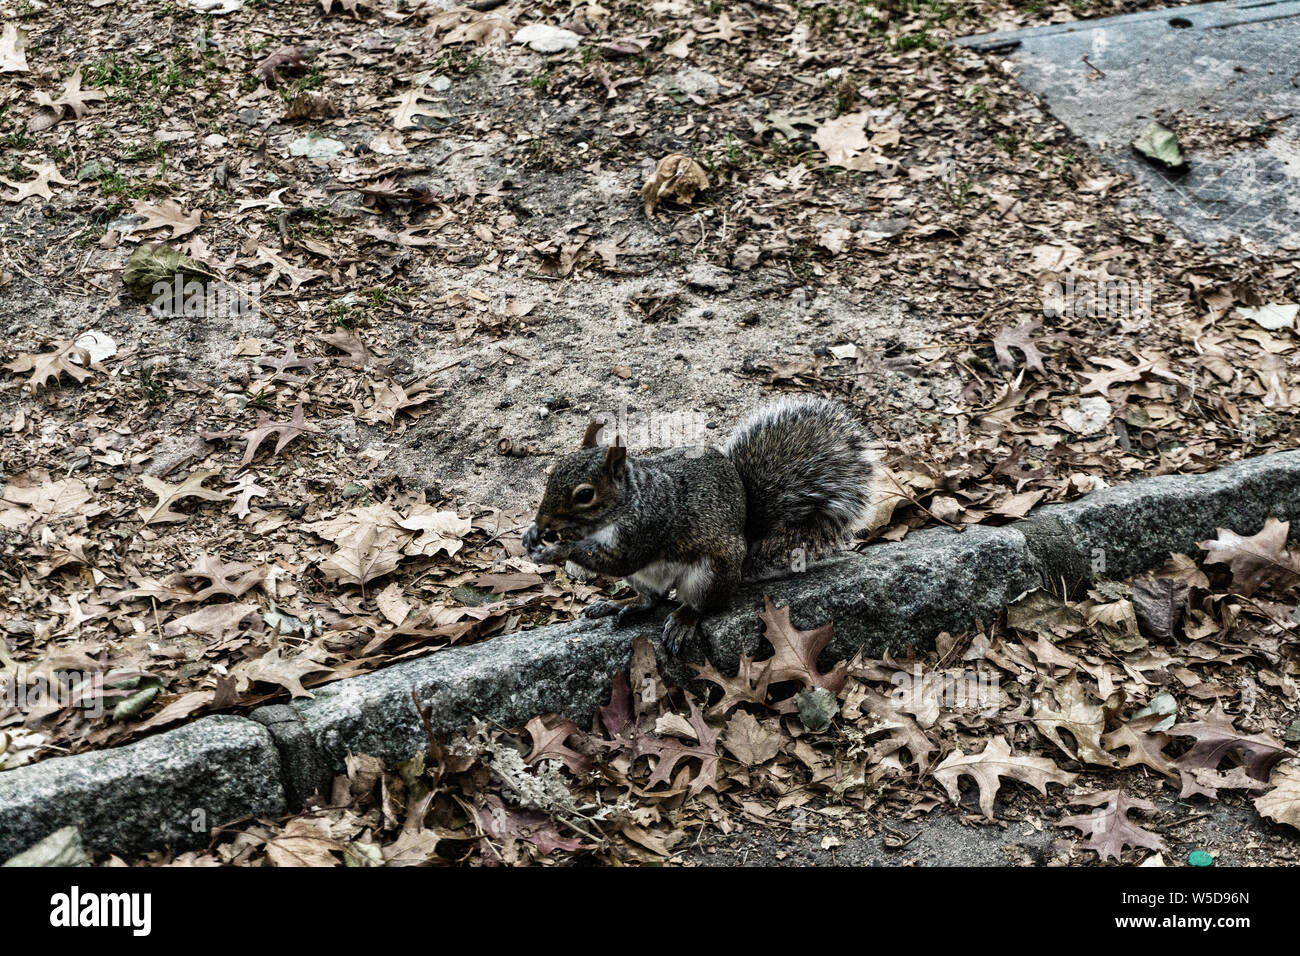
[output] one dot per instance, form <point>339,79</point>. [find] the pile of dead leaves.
<point>1093,704</point>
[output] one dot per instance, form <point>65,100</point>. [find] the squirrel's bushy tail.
<point>807,471</point>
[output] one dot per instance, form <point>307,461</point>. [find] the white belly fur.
<point>658,577</point>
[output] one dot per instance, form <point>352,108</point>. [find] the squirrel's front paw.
<point>601,609</point>
<point>678,629</point>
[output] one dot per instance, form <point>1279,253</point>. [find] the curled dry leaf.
<point>676,177</point>
<point>13,43</point>
<point>1282,803</point>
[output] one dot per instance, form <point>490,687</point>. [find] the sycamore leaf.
<point>1109,829</point>
<point>168,495</point>
<point>1282,803</point>
<point>549,744</point>
<point>1256,561</point>
<point>438,531</point>
<point>47,366</point>
<point>369,544</point>
<point>990,765</point>
<point>796,651</point>
<point>846,143</point>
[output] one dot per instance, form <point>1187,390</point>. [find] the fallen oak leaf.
<point>549,744</point>
<point>45,366</point>
<point>1257,560</point>
<point>274,667</point>
<point>1144,745</point>
<point>168,495</point>
<point>46,173</point>
<point>285,432</point>
<point>1282,803</point>
<point>166,215</point>
<point>990,765</point>
<point>748,686</point>
<point>669,750</point>
<point>796,652</point>
<point>1217,739</point>
<point>73,98</point>
<point>1109,829</point>
<point>233,579</point>
<point>1072,712</point>
<point>1019,337</point>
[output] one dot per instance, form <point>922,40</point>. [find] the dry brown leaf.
<point>168,495</point>
<point>676,177</point>
<point>990,765</point>
<point>1109,830</point>
<point>45,366</point>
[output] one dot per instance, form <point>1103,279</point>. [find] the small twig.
<point>1091,67</point>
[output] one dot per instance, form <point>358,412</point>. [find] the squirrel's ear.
<point>615,458</point>
<point>589,438</point>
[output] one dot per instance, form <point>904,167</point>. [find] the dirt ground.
<point>467,274</point>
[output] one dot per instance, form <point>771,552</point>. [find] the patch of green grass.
<point>453,60</point>
<point>917,40</point>
<point>258,399</point>
<point>16,138</point>
<point>154,391</point>
<point>539,81</point>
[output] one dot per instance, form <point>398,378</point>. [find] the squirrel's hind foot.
<point>683,625</point>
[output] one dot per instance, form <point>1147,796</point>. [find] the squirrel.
<point>796,474</point>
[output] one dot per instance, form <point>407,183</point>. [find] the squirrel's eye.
<point>584,495</point>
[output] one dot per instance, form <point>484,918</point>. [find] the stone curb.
<point>892,596</point>
<point>168,790</point>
